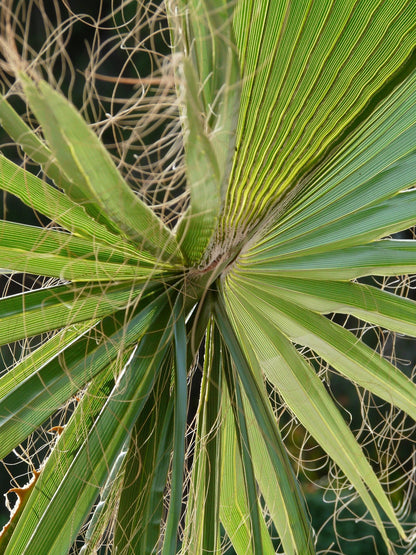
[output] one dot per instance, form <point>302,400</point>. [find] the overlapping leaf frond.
<point>182,329</point>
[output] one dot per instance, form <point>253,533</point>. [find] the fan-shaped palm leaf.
<point>298,129</point>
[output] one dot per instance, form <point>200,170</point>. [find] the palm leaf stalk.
<point>297,132</point>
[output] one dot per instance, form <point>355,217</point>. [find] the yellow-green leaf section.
<point>309,69</point>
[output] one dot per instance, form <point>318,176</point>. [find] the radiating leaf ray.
<point>207,38</point>
<point>34,239</point>
<point>40,356</point>
<point>202,527</point>
<point>67,269</point>
<point>365,302</point>
<point>234,510</point>
<point>180,406</point>
<point>388,257</point>
<point>356,228</point>
<point>244,448</point>
<point>30,394</point>
<point>31,144</point>
<point>102,513</point>
<point>34,312</point>
<point>69,442</point>
<point>58,207</point>
<point>295,522</point>
<point>140,506</point>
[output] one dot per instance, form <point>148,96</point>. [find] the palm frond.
<point>192,298</point>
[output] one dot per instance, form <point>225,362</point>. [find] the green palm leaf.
<point>277,140</point>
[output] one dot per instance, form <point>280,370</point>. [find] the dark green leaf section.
<point>234,506</point>
<point>30,394</point>
<point>145,471</point>
<point>212,447</point>
<point>243,441</point>
<point>77,482</point>
<point>71,438</point>
<point>35,312</point>
<point>180,415</point>
<point>103,511</point>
